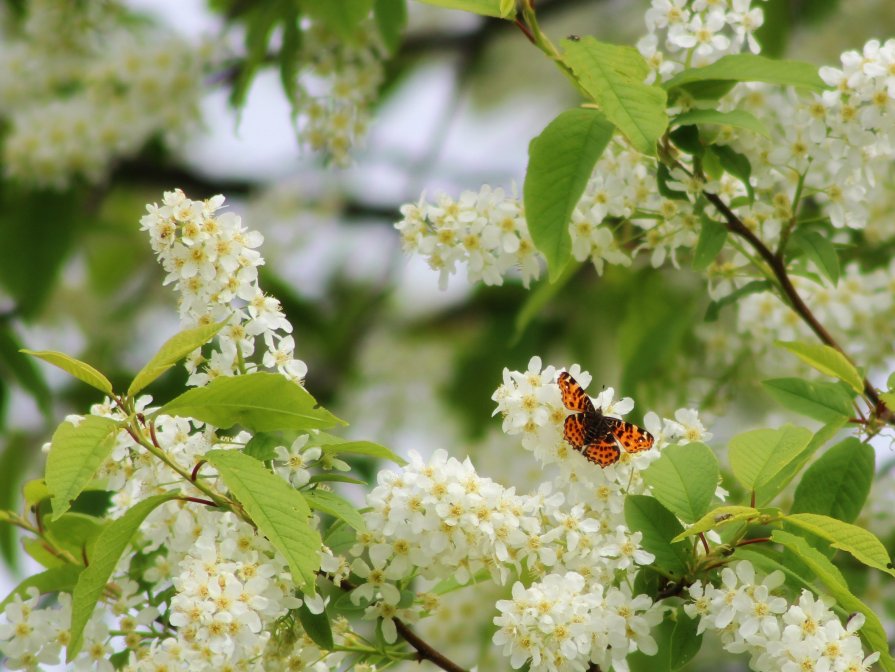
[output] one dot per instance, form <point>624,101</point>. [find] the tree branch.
<point>778,267</point>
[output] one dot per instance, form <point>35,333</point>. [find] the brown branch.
<point>778,267</point>
<point>424,650</point>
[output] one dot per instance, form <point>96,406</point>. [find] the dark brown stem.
<point>705,543</point>
<point>757,540</point>
<point>198,500</point>
<point>521,24</point>
<point>195,473</point>
<point>778,267</point>
<point>424,650</point>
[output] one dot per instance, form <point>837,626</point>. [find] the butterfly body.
<point>600,438</point>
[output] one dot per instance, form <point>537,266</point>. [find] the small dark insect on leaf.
<point>574,38</point>
<point>723,516</point>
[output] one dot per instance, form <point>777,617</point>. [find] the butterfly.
<point>598,437</point>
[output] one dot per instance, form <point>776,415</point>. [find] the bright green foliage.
<point>109,547</point>
<point>367,448</point>
<point>483,7</point>
<point>76,452</point>
<point>659,527</point>
<point>819,249</point>
<point>75,532</point>
<point>261,402</point>
<point>685,643</point>
<point>391,18</point>
<point>757,456</point>
<point>873,632</point>
<point>560,162</point>
<point>333,505</point>
<point>279,511</point>
<point>317,627</point>
<point>722,515</point>
<point>765,492</point>
<point>684,479</point>
<point>80,370</point>
<point>62,578</point>
<point>341,17</point>
<point>712,237</point>
<point>612,75</point>
<point>837,484</point>
<point>827,360</point>
<point>860,543</point>
<point>736,118</point>
<point>174,349</point>
<point>824,401</point>
<point>751,68</point>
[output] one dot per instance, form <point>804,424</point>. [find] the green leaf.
<point>109,547</point>
<point>76,452</point>
<point>35,491</point>
<point>735,118</point>
<point>663,177</point>
<point>560,162</point>
<point>685,643</point>
<point>329,476</point>
<point>888,399</point>
<point>765,492</point>
<point>367,448</point>
<point>752,68</point>
<point>659,526</point>
<point>14,364</point>
<point>58,579</point>
<point>712,237</point>
<point>342,17</point>
<point>483,7</point>
<point>827,360</point>
<point>262,446</point>
<point>260,402</point>
<point>175,348</point>
<point>290,56</point>
<point>541,296</point>
<point>872,632</point>
<point>753,287</point>
<point>863,545</point>
<point>260,22</point>
<point>280,512</point>
<point>391,19</point>
<point>821,251</point>
<point>757,456</point>
<point>837,484</point>
<point>317,626</point>
<point>822,401</point>
<point>612,75</point>
<point>80,370</point>
<point>330,503</point>
<point>735,164</point>
<point>718,517</point>
<point>15,460</point>
<point>684,479</point>
<point>75,532</point>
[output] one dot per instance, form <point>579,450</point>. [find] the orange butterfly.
<point>598,437</point>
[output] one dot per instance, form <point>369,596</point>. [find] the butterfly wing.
<point>629,436</point>
<point>575,430</point>
<point>603,452</point>
<point>573,395</point>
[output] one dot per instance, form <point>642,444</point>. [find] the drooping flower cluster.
<point>780,636</point>
<point>485,231</point>
<point>338,82</point>
<point>80,89</point>
<point>563,623</point>
<point>211,259</point>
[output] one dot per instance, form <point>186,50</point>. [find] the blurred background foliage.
<point>409,366</point>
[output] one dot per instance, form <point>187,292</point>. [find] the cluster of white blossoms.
<point>338,81</point>
<point>564,622</point>
<point>210,258</point>
<point>780,637</point>
<point>80,89</point>
<point>692,33</point>
<point>485,231</point>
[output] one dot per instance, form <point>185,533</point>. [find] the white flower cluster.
<point>338,81</point>
<point>485,231</point>
<point>780,637</point>
<point>211,259</point>
<point>692,33</point>
<point>80,89</point>
<point>562,624</point>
